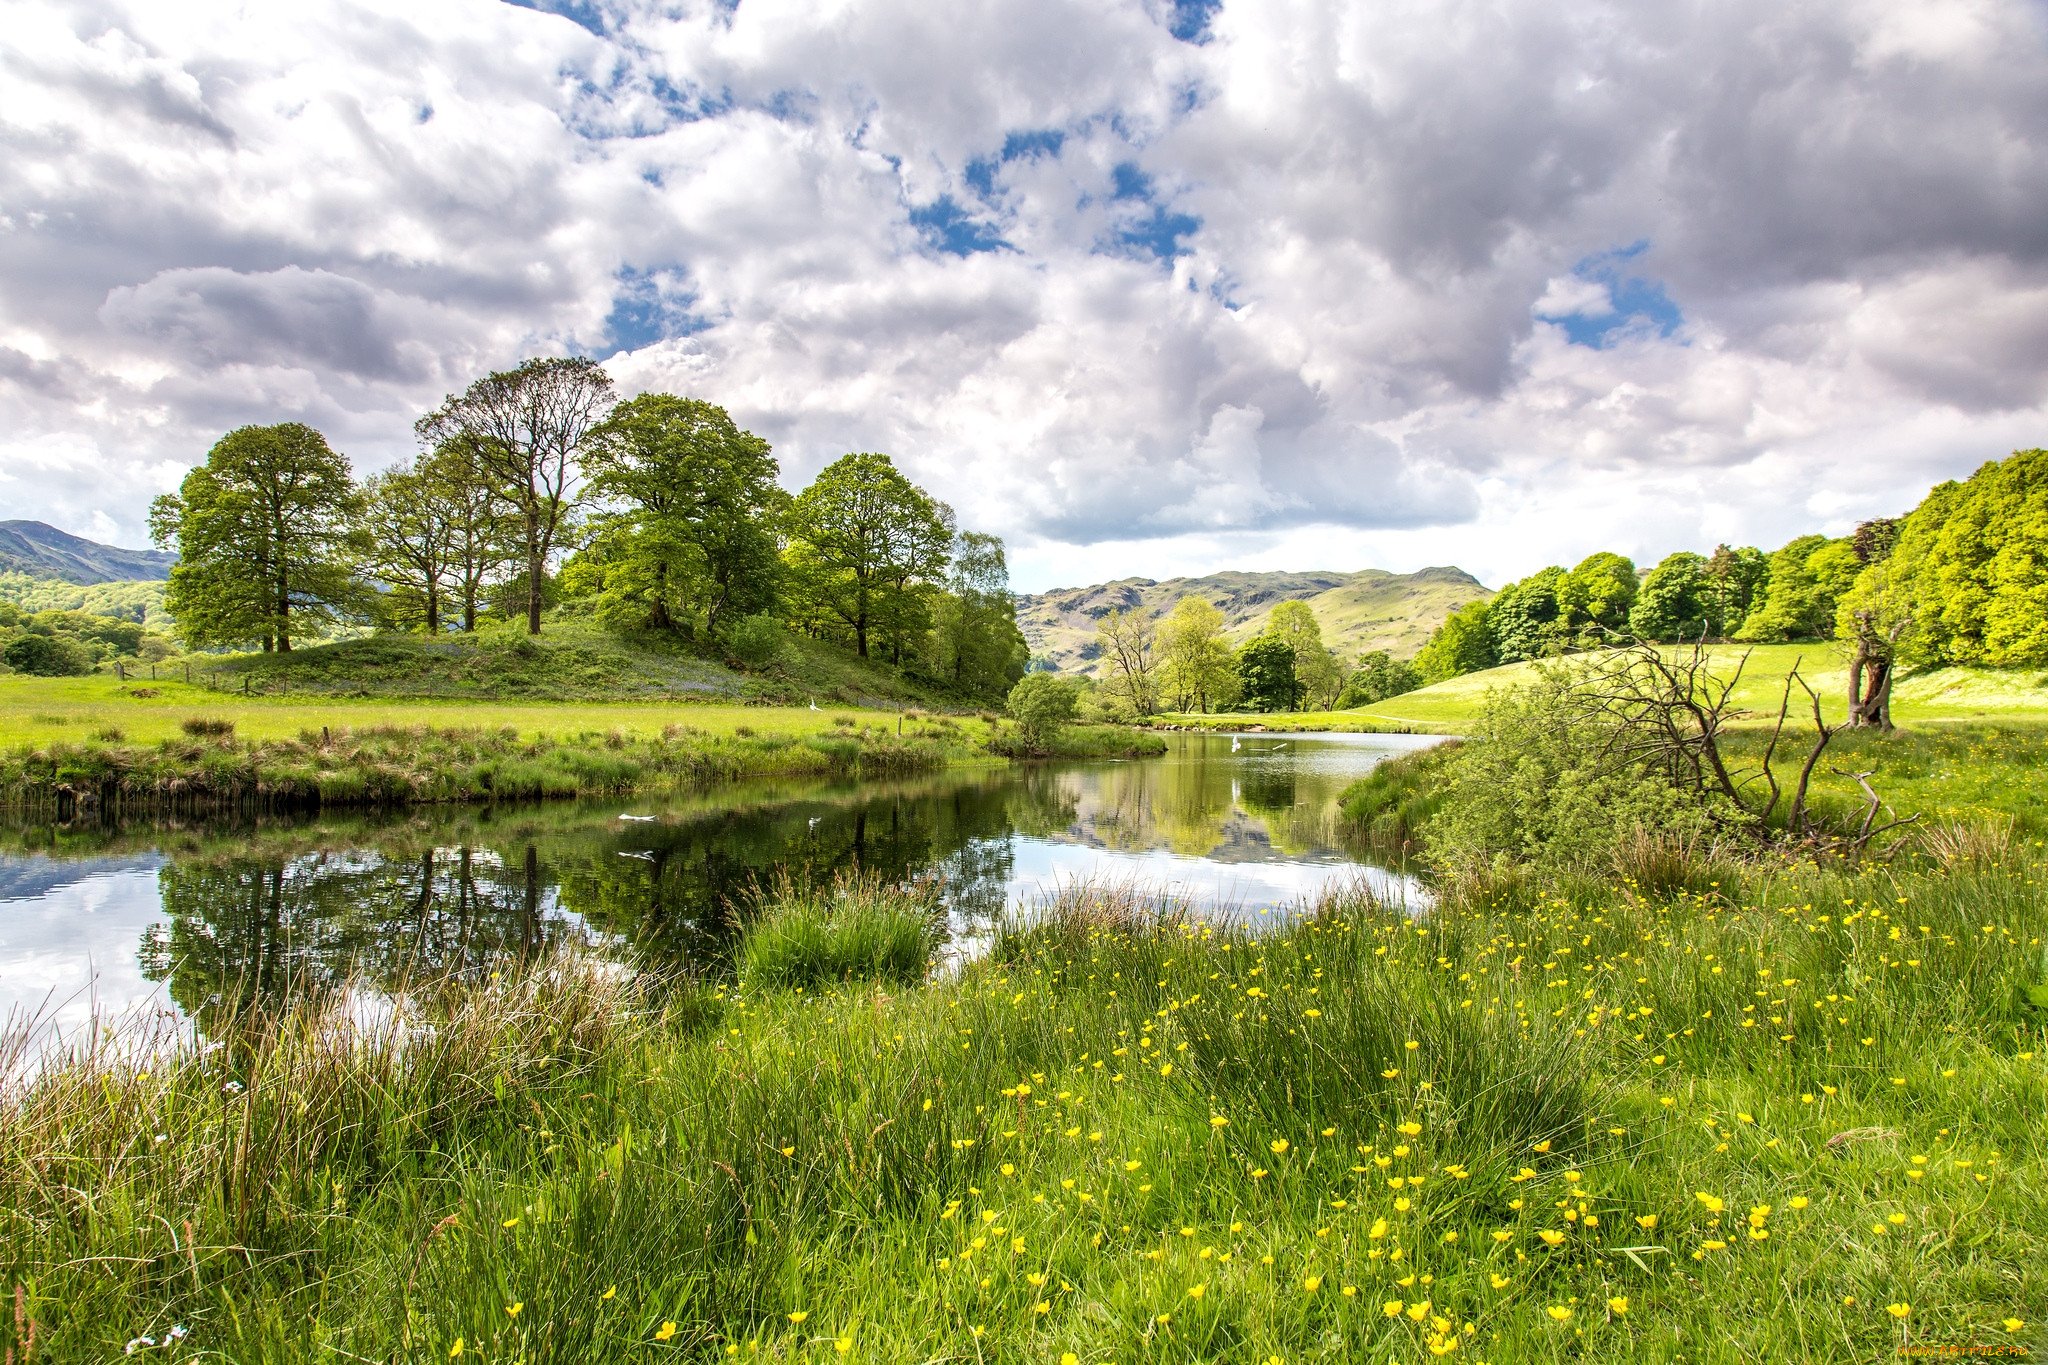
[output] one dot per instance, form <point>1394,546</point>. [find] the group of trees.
<point>536,486</point>
<point>1181,661</point>
<point>59,643</point>
<point>1735,593</point>
<point>1962,579</point>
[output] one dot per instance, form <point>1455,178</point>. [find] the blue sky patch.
<point>585,14</point>
<point>1638,303</point>
<point>1024,143</point>
<point>1189,21</point>
<point>1156,234</point>
<point>948,227</point>
<point>644,313</point>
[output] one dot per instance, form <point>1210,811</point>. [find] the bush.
<point>1543,783</point>
<point>47,656</point>
<point>1041,704</point>
<point>758,640</point>
<point>207,727</point>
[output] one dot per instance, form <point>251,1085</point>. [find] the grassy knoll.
<point>1937,695</point>
<point>1797,1119</point>
<point>574,660</point>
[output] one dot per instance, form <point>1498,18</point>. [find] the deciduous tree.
<point>1596,595</point>
<point>1528,617</point>
<point>1676,601</point>
<point>1196,669</point>
<point>867,545</point>
<point>1462,644</point>
<point>261,531</point>
<point>406,541</point>
<point>1266,667</point>
<point>1316,670</point>
<point>691,543</point>
<point>524,429</point>
<point>976,647</point>
<point>1128,639</point>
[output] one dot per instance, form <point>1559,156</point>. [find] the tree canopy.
<point>867,546</point>
<point>524,429</point>
<point>1265,668</point>
<point>1971,564</point>
<point>691,539</point>
<point>261,530</point>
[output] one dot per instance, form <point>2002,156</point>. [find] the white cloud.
<point>1306,292</point>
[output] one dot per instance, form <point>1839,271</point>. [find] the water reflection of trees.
<point>418,901</point>
<point>246,931</point>
<point>1200,804</point>
<point>257,912</point>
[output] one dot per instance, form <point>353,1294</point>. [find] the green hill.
<point>42,551</point>
<point>1367,610</point>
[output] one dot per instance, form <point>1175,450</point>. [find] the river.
<point>181,922</point>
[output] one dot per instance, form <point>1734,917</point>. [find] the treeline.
<point>57,643</point>
<point>56,629</point>
<point>1962,579</point>
<point>1180,661</point>
<point>536,488</point>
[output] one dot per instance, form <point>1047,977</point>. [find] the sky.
<point>1148,287</point>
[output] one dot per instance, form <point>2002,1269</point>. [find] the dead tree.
<point>1669,713</point>
<point>1870,670</point>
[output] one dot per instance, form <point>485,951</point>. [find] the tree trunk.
<point>469,608</point>
<point>1870,689</point>
<point>433,608</point>
<point>284,615</point>
<point>533,577</point>
<point>659,616</point>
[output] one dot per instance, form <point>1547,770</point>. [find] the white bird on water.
<point>1233,744</point>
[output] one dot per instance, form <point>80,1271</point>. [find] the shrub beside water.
<point>853,929</point>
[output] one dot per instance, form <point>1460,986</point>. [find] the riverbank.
<point>1795,1116</point>
<point>74,745</point>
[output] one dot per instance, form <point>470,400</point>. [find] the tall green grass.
<point>852,929</point>
<point>1581,1121</point>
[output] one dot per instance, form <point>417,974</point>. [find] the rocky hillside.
<point>42,551</point>
<point>1370,609</point>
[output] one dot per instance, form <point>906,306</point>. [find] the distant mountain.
<point>1370,609</point>
<point>31,547</point>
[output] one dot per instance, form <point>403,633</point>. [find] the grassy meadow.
<point>1938,695</point>
<point>1792,1116</point>
<point>51,710</point>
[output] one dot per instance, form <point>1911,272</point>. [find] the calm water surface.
<point>187,920</point>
